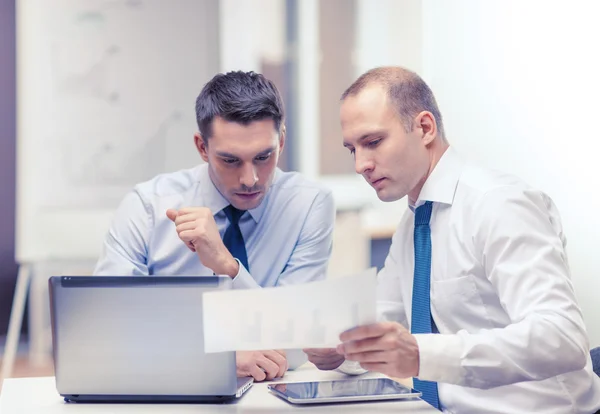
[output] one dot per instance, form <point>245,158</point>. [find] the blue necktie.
<point>421,311</point>
<point>233,239</point>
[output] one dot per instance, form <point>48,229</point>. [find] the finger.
<point>380,357</point>
<point>331,364</point>
<point>376,367</point>
<point>327,362</point>
<point>282,369</point>
<point>367,331</point>
<point>381,343</point>
<point>194,210</point>
<point>318,360</point>
<point>190,225</point>
<point>276,356</point>
<point>185,218</point>
<point>320,351</point>
<point>279,359</point>
<point>190,246</point>
<point>257,373</point>
<point>188,239</point>
<point>287,363</point>
<point>172,214</point>
<point>187,236</point>
<point>271,368</point>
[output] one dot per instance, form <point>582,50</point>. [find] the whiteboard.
<point>105,99</point>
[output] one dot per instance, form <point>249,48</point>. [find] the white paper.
<point>310,315</point>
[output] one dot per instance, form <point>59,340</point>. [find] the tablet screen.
<point>343,388</point>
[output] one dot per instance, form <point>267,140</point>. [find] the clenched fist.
<point>197,228</point>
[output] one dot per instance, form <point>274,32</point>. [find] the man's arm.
<point>126,244</point>
<point>308,262</point>
<point>389,308</point>
<point>525,260</point>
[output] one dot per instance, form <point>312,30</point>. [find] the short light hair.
<point>407,92</point>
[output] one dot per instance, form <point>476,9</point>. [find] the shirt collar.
<point>211,197</point>
<point>441,184</point>
<point>214,200</point>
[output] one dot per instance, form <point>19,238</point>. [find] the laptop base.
<point>244,384</point>
<point>149,399</point>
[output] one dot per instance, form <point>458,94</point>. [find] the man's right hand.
<point>324,358</point>
<point>262,365</point>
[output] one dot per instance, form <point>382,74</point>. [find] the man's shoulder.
<point>171,184</point>
<point>479,181</point>
<point>296,183</point>
<point>493,191</point>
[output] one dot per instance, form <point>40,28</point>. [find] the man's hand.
<point>261,364</point>
<point>197,228</point>
<point>385,347</point>
<point>325,358</point>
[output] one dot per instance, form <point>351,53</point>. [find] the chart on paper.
<point>311,315</point>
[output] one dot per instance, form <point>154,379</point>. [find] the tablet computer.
<point>346,390</point>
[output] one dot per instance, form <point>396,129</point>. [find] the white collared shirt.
<point>512,337</point>
<point>288,236</point>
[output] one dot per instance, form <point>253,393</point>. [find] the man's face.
<point>393,161</point>
<point>242,159</point>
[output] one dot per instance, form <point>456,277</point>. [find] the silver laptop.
<point>137,339</point>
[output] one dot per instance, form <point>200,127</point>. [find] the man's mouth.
<point>248,195</point>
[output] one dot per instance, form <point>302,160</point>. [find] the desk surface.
<point>38,395</point>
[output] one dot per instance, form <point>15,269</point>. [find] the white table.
<point>39,395</point>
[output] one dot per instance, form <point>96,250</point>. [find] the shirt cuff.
<point>243,279</point>
<point>351,368</point>
<point>439,357</point>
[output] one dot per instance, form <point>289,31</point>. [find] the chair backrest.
<point>351,246</point>
<point>596,359</point>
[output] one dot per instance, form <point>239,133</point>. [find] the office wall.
<point>8,268</point>
<point>518,85</point>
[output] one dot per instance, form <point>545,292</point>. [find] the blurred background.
<point>98,95</point>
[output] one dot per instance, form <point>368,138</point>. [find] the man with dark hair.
<point>236,215</point>
<point>475,296</point>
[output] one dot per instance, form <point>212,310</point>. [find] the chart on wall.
<point>111,89</point>
<point>105,99</point>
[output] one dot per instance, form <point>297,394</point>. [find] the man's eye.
<point>229,160</point>
<point>351,151</point>
<point>263,157</point>
<point>373,143</point>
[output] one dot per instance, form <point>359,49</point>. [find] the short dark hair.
<point>406,90</point>
<point>241,97</point>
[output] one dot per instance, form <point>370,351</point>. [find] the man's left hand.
<point>385,347</point>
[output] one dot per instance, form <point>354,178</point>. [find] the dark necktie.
<point>233,239</point>
<point>421,321</point>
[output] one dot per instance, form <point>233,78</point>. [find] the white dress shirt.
<point>288,236</point>
<point>512,337</point>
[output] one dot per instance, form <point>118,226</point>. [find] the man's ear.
<point>201,146</point>
<point>425,121</point>
<point>281,139</point>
